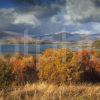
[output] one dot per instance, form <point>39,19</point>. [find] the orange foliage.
<point>21,65</point>
<point>89,63</point>
<point>62,65</point>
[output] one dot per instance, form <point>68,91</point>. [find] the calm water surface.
<point>32,48</point>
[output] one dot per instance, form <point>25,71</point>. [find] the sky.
<point>50,16</point>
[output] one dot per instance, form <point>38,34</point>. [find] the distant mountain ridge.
<point>60,36</point>
<point>13,37</point>
<point>69,37</point>
<point>7,34</point>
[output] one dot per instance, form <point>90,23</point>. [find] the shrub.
<point>6,75</point>
<point>54,65</point>
<point>88,64</point>
<point>59,66</point>
<point>24,69</point>
<point>30,70</point>
<point>62,66</point>
<point>97,54</point>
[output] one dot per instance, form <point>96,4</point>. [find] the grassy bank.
<point>44,91</point>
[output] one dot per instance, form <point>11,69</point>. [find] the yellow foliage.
<point>59,66</point>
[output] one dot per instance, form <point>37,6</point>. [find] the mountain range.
<point>8,35</point>
<point>60,36</point>
<point>69,37</point>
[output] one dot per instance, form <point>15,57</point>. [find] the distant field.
<point>44,91</point>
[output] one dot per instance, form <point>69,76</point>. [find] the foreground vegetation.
<point>44,91</point>
<point>54,67</point>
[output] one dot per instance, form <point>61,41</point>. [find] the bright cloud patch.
<point>62,18</point>
<point>83,32</point>
<point>29,19</point>
<point>83,10</point>
<point>96,27</point>
<point>12,16</point>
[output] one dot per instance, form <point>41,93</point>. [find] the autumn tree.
<point>6,75</point>
<point>59,66</point>
<point>89,65</point>
<point>24,68</point>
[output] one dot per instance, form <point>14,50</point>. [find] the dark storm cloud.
<point>48,16</point>
<point>97,3</point>
<point>78,10</point>
<point>39,2</point>
<point>41,11</point>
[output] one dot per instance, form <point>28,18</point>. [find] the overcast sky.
<point>50,16</point>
